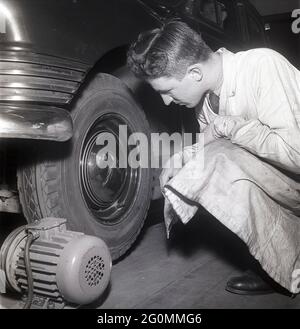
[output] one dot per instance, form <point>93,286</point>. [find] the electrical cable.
<point>28,271</point>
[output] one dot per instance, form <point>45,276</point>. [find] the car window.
<point>206,9</point>
<point>222,14</point>
<point>256,33</point>
<point>211,10</point>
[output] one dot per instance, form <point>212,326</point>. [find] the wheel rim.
<point>107,192</point>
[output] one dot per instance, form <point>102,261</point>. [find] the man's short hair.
<point>167,51</point>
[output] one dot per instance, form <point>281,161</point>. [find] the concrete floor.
<point>188,271</point>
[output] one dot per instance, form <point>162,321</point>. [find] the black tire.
<point>64,181</point>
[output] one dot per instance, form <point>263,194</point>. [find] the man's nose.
<point>167,99</point>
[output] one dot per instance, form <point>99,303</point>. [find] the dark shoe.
<point>249,284</point>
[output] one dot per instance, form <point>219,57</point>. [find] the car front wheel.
<point>70,180</point>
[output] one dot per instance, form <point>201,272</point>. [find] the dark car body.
<point>49,46</point>
<point>57,54</point>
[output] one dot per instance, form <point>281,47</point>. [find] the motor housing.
<point>67,267</point>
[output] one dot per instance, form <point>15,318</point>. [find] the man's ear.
<point>195,72</point>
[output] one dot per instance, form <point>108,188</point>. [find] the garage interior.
<point>189,270</point>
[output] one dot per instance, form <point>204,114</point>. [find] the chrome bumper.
<point>34,90</point>
<point>35,122</point>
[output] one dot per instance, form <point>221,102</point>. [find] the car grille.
<point>32,77</point>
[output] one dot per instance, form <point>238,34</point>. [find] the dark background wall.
<point>272,7</point>
<point>282,38</point>
<point>278,14</point>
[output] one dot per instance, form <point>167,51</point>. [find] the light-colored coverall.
<point>249,177</point>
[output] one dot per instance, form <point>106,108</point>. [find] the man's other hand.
<point>171,168</point>
<point>210,134</point>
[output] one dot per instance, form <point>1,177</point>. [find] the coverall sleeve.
<point>275,134</point>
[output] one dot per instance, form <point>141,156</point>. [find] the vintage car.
<point>64,81</point>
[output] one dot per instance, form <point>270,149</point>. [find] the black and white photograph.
<point>149,158</point>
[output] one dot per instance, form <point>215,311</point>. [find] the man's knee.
<point>223,149</point>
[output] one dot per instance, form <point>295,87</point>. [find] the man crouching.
<point>248,108</point>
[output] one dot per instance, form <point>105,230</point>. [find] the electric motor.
<point>67,267</point>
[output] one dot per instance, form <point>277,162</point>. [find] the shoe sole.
<point>251,293</point>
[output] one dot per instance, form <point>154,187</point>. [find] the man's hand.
<point>171,168</point>
<point>175,163</point>
<point>210,134</point>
